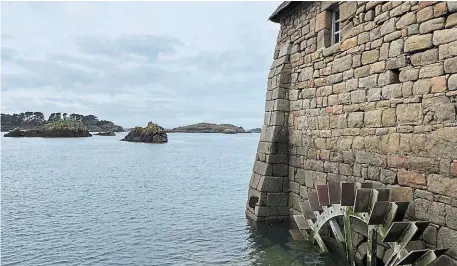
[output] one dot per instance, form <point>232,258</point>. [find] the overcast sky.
<point>175,63</point>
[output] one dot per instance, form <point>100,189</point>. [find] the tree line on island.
<point>34,124</point>
<point>34,120</point>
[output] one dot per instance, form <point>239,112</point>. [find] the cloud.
<point>178,64</point>
<point>6,37</point>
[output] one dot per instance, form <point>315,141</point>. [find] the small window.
<point>336,31</point>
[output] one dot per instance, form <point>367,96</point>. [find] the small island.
<point>152,133</point>
<point>58,129</point>
<point>107,133</point>
<point>35,120</point>
<point>254,130</point>
<point>208,128</point>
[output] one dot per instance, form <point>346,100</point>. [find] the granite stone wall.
<point>380,106</point>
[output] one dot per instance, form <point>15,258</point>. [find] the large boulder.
<point>152,133</point>
<point>59,129</point>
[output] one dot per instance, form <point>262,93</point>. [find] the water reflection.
<point>272,245</point>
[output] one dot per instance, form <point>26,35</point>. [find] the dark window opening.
<point>253,202</point>
<point>336,29</point>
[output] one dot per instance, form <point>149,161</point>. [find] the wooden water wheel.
<point>383,211</point>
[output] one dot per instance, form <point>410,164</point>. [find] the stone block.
<point>407,19</point>
<point>305,74</point>
<point>388,117</point>
<point>409,114</point>
<point>442,143</point>
<point>450,65</point>
<point>451,217</point>
<point>363,157</point>
<point>451,21</point>
<point>412,29</point>
<point>358,96</point>
<point>342,64</point>
<point>440,9</point>
<point>444,260</point>
<point>377,67</point>
<point>452,82</point>
<point>442,185</point>
<point>388,26</point>
<point>277,199</point>
<point>425,58</point>
<point>323,38</point>
<point>430,71</point>
<point>431,25</point>
<point>361,72</point>
<point>421,87</point>
<point>370,57</point>
<point>447,238</point>
<point>411,179</point>
<point>444,36</point>
<point>396,48</point>
<point>347,10</point>
<point>430,234</point>
<point>409,74</point>
<point>395,63</point>
<point>388,176</point>
<point>323,21</point>
<point>355,119</point>
<point>391,91</point>
<point>349,43</point>
<point>452,6</point>
<point>430,211</point>
<point>270,184</point>
<point>418,43</point>
<point>374,94</point>
<point>384,51</point>
<point>373,118</point>
<point>271,211</point>
<point>368,82</point>
<point>425,14</point>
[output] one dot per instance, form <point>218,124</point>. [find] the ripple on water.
<point>99,201</point>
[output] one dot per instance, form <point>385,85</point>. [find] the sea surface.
<point>101,201</point>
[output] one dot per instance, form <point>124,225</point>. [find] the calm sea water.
<point>100,201</point>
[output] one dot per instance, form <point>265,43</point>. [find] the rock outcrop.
<point>230,131</point>
<point>254,130</point>
<point>207,128</point>
<point>59,129</point>
<point>107,133</point>
<point>152,133</point>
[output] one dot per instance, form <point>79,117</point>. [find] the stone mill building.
<point>362,92</point>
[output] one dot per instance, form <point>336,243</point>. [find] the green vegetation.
<point>150,128</point>
<point>35,120</point>
<point>71,125</point>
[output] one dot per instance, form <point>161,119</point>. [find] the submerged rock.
<point>59,129</point>
<point>152,133</point>
<point>108,133</point>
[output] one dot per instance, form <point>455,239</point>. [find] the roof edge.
<point>283,9</point>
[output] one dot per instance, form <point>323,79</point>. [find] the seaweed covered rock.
<point>152,133</point>
<point>59,129</point>
<point>107,133</point>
